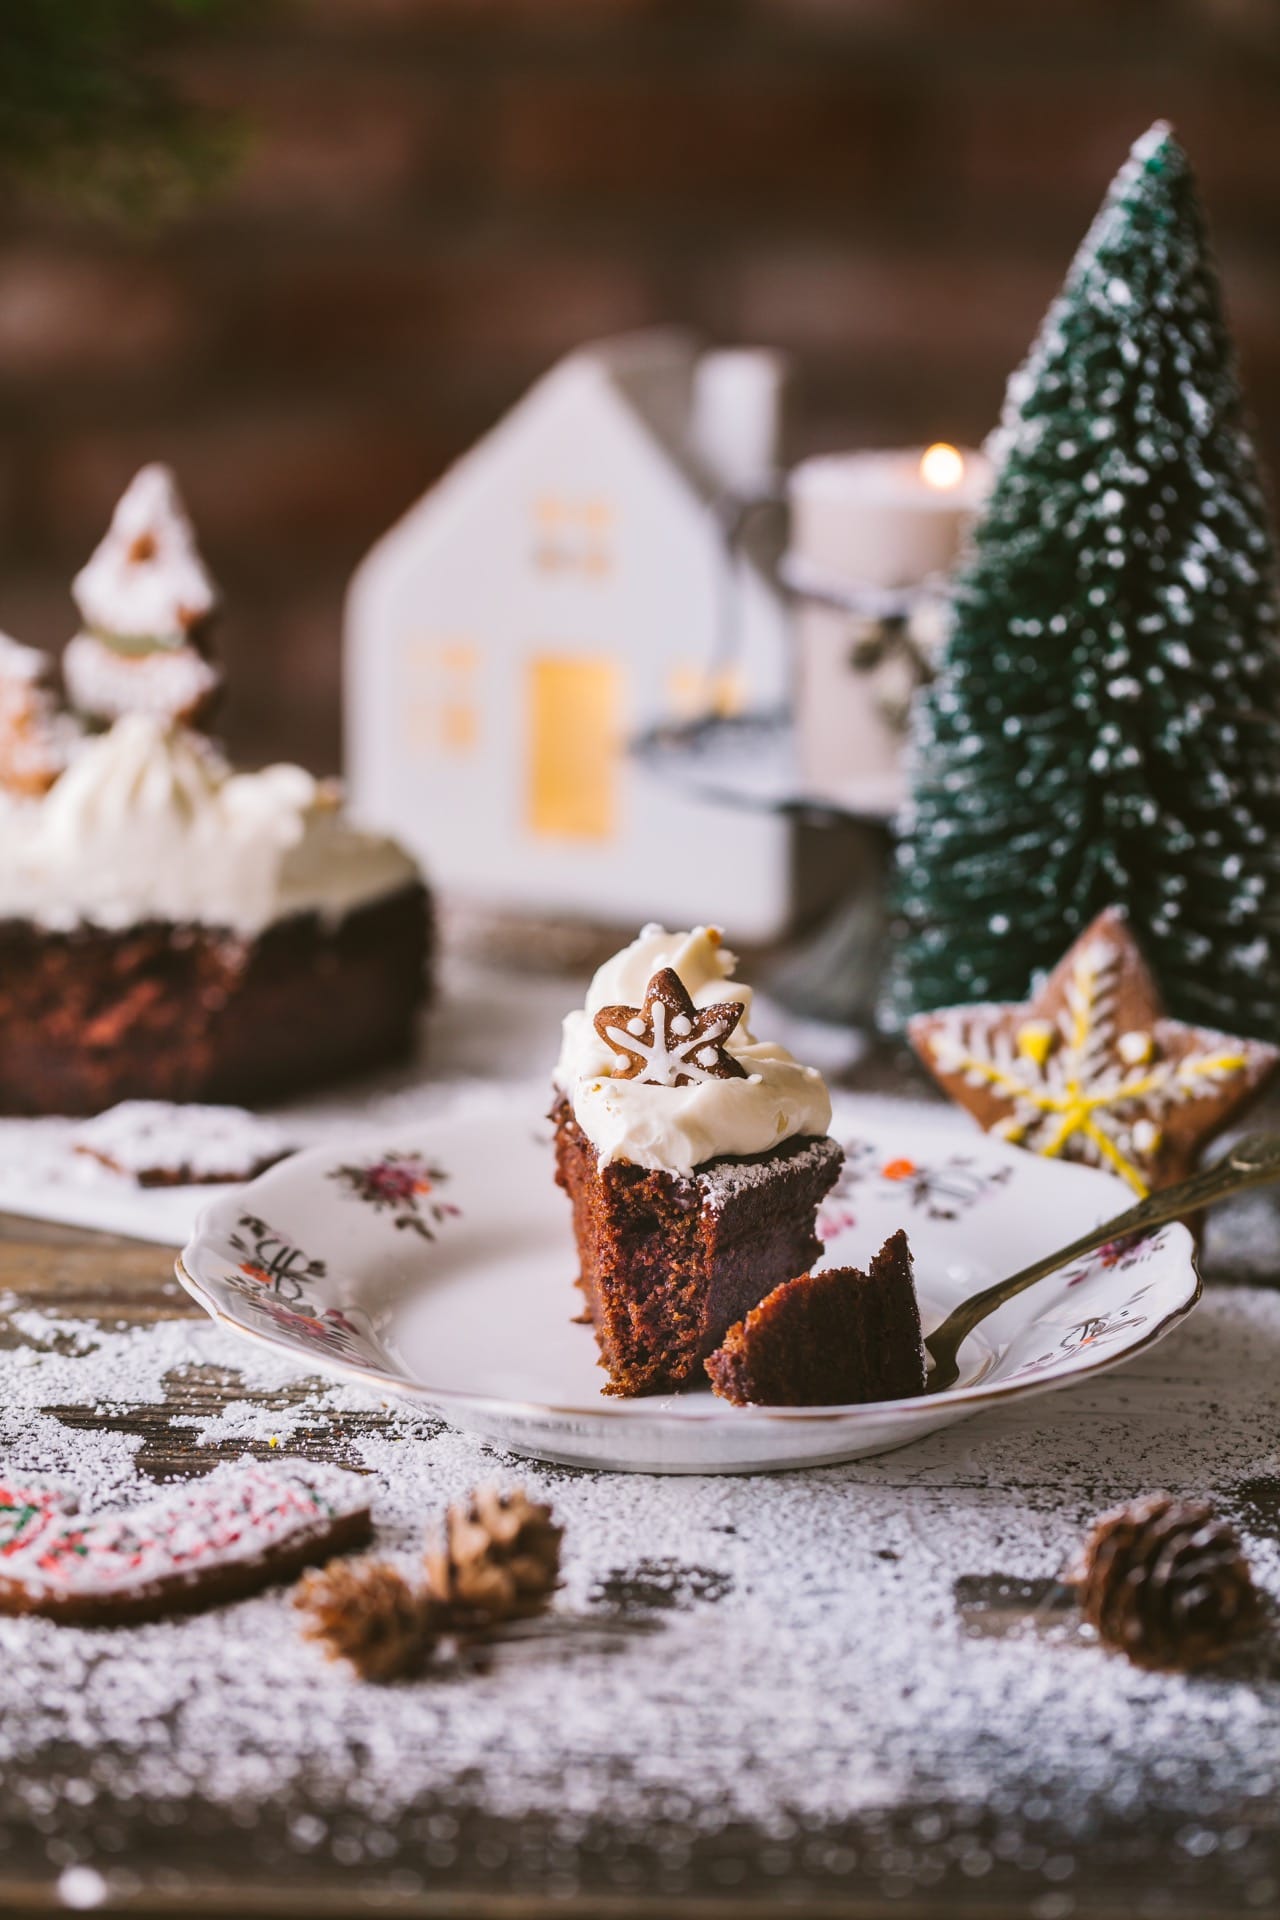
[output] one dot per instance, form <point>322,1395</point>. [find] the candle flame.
<point>942,466</point>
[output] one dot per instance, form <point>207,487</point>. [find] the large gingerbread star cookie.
<point>1092,1069</point>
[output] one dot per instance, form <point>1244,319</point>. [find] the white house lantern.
<point>560,590</point>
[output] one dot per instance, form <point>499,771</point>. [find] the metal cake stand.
<point>751,761</point>
<point>832,973</point>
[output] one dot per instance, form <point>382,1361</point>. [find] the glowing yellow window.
<point>574,712</point>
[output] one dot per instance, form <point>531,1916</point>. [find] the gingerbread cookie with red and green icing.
<point>240,1528</point>
<point>1092,1069</point>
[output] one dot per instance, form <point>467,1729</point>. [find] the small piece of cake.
<point>158,1144</point>
<point>837,1338</point>
<point>694,1155</point>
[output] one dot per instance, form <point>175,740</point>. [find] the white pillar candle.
<point>875,522</point>
<point>884,519</point>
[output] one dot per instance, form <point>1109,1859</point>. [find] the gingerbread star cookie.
<point>1092,1069</point>
<point>669,1042</point>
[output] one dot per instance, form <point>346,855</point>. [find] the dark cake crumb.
<point>95,1016</point>
<point>670,1261</point>
<point>836,1338</point>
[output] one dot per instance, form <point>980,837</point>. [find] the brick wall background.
<point>442,195</point>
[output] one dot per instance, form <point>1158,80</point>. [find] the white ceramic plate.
<point>440,1270</point>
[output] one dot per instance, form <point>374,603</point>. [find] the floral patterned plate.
<point>440,1270</point>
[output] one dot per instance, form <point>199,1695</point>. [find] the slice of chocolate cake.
<point>669,1261</point>
<point>837,1338</point>
<point>695,1157</point>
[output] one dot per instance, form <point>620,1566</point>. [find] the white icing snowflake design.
<point>669,1042</point>
<point>1077,1086</point>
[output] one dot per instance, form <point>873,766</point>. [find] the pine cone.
<point>499,1559</point>
<point>365,1611</point>
<point>1166,1582</point>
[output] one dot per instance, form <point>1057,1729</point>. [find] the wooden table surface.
<point>1166,1810</point>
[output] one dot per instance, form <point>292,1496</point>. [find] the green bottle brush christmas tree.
<point>1105,727</point>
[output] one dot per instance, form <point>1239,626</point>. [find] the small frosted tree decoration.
<point>1106,724</point>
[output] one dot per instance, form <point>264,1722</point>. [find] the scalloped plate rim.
<point>668,1417</point>
<point>657,1411</point>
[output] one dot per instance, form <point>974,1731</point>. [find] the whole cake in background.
<point>695,1156</point>
<point>171,928</point>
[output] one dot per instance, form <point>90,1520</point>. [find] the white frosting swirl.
<point>679,1128</point>
<point>150,823</point>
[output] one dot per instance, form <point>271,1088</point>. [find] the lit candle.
<point>884,519</point>
<point>862,525</point>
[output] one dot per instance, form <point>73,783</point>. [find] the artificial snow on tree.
<point>1105,727</point>
<point>89,106</point>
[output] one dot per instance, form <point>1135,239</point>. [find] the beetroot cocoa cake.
<point>92,1016</point>
<point>170,928</point>
<point>669,1262</point>
<point>695,1156</point>
<point>835,1338</point>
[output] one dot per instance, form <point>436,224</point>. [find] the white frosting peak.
<point>150,823</point>
<point>680,1128</point>
<point>145,580</point>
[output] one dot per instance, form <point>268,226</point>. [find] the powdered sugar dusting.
<point>815,1674</point>
<point>730,1179</point>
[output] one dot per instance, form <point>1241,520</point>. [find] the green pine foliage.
<point>1106,723</point>
<point>88,112</point>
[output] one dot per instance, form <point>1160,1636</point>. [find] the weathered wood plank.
<point>924,1855</point>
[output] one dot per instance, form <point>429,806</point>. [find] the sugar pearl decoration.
<point>1135,1048</point>
<point>1035,1039</point>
